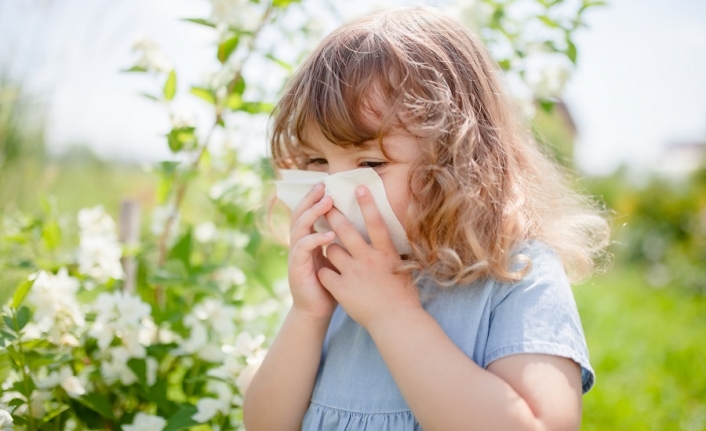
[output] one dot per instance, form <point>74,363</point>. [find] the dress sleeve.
<point>538,315</point>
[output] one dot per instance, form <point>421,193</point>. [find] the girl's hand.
<point>367,287</point>
<point>306,256</point>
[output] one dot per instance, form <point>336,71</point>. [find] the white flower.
<point>152,367</point>
<point>228,371</point>
<point>130,309</point>
<point>151,58</point>
<point>229,276</point>
<point>99,258</point>
<point>145,422</point>
<point>221,317</point>
<point>181,117</point>
<point>246,376</point>
<point>206,409</point>
<point>243,187</point>
<point>131,341</point>
<point>197,338</point>
<point>54,297</point>
<point>210,352</point>
<point>548,80</point>
<point>69,340</point>
<point>205,232</point>
<point>95,222</point>
<point>99,251</point>
<point>246,344</point>
<point>243,14</point>
<point>126,316</point>
<point>71,384</point>
<point>5,420</point>
<point>116,368</point>
<point>37,401</point>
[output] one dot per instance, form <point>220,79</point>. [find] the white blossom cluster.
<point>99,251</point>
<point>57,312</point>
<point>6,420</point>
<point>126,317</point>
<point>242,14</point>
<point>242,187</point>
<point>151,57</point>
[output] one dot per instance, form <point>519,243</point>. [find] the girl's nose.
<point>334,168</point>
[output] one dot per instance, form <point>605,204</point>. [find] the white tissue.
<point>295,184</point>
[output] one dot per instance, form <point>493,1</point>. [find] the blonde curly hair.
<point>482,187</point>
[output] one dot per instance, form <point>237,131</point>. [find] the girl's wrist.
<point>396,320</point>
<point>310,319</point>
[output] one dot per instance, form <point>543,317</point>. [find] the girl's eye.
<point>317,161</point>
<point>374,165</point>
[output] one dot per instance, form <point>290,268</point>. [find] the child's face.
<point>402,148</point>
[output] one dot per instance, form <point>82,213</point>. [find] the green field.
<point>648,347</point>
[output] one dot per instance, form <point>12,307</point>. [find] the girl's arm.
<point>445,389</point>
<point>279,394</point>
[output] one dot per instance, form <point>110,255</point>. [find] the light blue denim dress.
<point>487,320</point>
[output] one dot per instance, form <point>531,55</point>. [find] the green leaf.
<point>9,323</point>
<point>257,107</point>
<point>200,21</point>
<point>226,48</point>
<point>182,250</point>
<point>21,293</point>
<point>283,3</point>
<point>51,415</point>
<point>164,188</point>
<point>135,69</point>
<point>182,419</point>
<point>234,101</point>
<point>504,64</point>
<point>22,318</point>
<point>98,403</point>
<point>571,50</point>
<point>51,234</point>
<point>139,367</point>
<point>237,85</point>
<point>286,66</point>
<point>205,94</point>
<point>549,22</point>
<point>7,335</point>
<point>181,138</point>
<point>150,96</point>
<point>546,105</point>
<point>25,387</point>
<point>170,86</point>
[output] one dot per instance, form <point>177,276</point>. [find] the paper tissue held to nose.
<point>295,184</point>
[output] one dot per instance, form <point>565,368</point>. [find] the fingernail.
<point>319,186</point>
<point>360,191</point>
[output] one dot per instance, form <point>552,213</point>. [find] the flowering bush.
<point>85,344</point>
<point>88,343</point>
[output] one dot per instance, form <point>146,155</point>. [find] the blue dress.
<point>487,320</point>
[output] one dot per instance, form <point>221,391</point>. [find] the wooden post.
<point>129,235</point>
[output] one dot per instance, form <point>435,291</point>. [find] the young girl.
<point>475,329</point>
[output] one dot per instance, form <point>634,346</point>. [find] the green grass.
<point>648,347</point>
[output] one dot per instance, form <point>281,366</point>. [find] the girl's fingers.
<point>350,238</point>
<point>327,277</point>
<point>377,229</point>
<point>303,248</point>
<point>304,223</point>
<point>314,195</point>
<point>337,256</point>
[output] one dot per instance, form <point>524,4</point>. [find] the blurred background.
<point>624,106</point>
